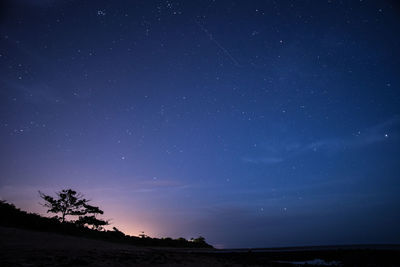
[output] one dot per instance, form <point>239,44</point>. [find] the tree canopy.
<point>69,202</point>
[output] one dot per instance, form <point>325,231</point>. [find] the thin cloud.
<point>378,133</point>
<point>35,94</point>
<point>265,160</point>
<point>375,134</point>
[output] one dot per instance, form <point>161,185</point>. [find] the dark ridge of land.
<point>20,247</point>
<point>16,218</point>
<point>28,239</point>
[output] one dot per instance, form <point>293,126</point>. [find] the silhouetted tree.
<point>200,240</point>
<point>117,232</point>
<point>96,224</point>
<point>89,209</point>
<point>142,234</point>
<point>69,202</point>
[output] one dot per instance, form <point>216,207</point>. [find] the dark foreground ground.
<point>27,248</point>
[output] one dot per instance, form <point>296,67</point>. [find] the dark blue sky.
<point>252,123</point>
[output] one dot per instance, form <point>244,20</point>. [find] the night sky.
<point>251,123</point>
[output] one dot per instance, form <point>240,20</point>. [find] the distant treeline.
<point>14,217</point>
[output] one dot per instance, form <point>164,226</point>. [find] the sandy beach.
<point>28,248</point>
<point>20,247</point>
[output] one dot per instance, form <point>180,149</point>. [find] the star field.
<point>254,124</point>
